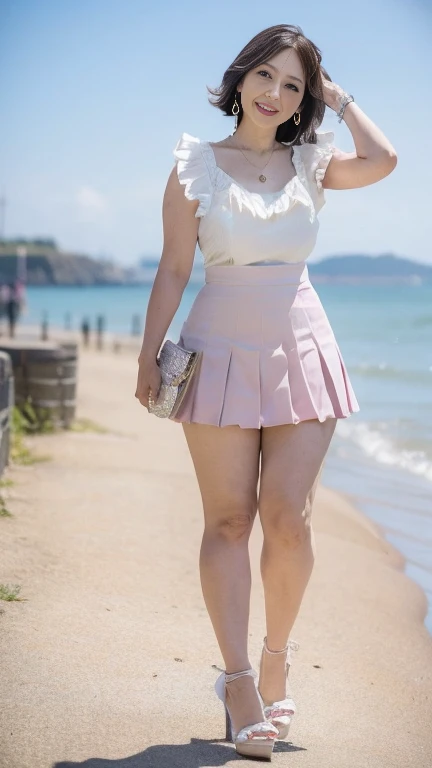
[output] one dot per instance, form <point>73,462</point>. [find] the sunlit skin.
<point>278,83</point>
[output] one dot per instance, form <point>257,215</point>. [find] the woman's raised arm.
<point>374,157</point>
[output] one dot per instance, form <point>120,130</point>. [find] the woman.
<point>272,382</point>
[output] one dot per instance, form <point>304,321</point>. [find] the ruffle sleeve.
<point>315,159</point>
<point>193,173</point>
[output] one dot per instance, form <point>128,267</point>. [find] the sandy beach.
<point>108,662</point>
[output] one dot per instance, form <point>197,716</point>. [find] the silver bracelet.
<point>347,98</point>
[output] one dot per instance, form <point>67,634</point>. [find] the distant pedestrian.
<point>4,293</point>
<point>85,330</point>
<point>14,302</point>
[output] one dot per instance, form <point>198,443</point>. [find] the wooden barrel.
<point>46,376</point>
<point>6,405</point>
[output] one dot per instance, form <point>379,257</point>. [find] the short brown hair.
<point>262,47</point>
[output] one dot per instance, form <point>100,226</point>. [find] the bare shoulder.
<point>222,148</point>
<point>226,142</point>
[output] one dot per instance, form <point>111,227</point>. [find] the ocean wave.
<point>378,446</point>
<point>385,371</point>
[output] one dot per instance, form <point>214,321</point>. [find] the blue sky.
<point>94,95</point>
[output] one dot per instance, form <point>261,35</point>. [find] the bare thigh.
<point>291,463</point>
<point>226,461</point>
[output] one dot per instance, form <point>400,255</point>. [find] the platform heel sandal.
<point>281,713</point>
<point>255,740</point>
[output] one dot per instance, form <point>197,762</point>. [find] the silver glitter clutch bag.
<point>178,367</point>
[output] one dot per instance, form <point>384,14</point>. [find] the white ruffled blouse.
<point>238,227</point>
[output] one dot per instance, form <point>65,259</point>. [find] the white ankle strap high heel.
<point>281,713</point>
<point>255,740</point>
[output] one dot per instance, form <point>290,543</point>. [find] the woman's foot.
<point>243,702</point>
<point>252,739</point>
<point>279,707</point>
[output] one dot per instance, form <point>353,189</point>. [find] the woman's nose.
<point>274,91</point>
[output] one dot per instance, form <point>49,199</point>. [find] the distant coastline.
<point>42,262</point>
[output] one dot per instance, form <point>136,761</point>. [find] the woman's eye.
<point>266,74</point>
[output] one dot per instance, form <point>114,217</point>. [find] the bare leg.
<point>226,462</point>
<point>292,460</point>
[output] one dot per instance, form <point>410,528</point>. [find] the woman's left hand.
<point>332,93</point>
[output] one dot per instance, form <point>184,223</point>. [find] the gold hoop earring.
<point>297,122</point>
<point>235,110</point>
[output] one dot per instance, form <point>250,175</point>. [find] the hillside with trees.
<point>46,264</point>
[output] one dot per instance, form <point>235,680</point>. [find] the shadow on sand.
<point>196,754</point>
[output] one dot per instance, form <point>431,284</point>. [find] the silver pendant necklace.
<point>261,177</point>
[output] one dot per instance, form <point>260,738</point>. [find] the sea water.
<point>380,457</point>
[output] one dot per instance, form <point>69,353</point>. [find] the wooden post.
<point>44,326</point>
<point>136,325</point>
<point>100,328</point>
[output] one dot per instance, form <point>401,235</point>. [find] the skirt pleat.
<point>241,403</point>
<point>270,356</point>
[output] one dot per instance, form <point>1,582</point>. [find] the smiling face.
<point>273,91</point>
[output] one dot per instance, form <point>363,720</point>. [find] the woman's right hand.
<point>180,238</point>
<point>149,380</point>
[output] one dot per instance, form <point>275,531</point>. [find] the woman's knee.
<point>230,520</point>
<point>286,518</point>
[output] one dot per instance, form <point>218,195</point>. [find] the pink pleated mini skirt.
<point>270,356</point>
